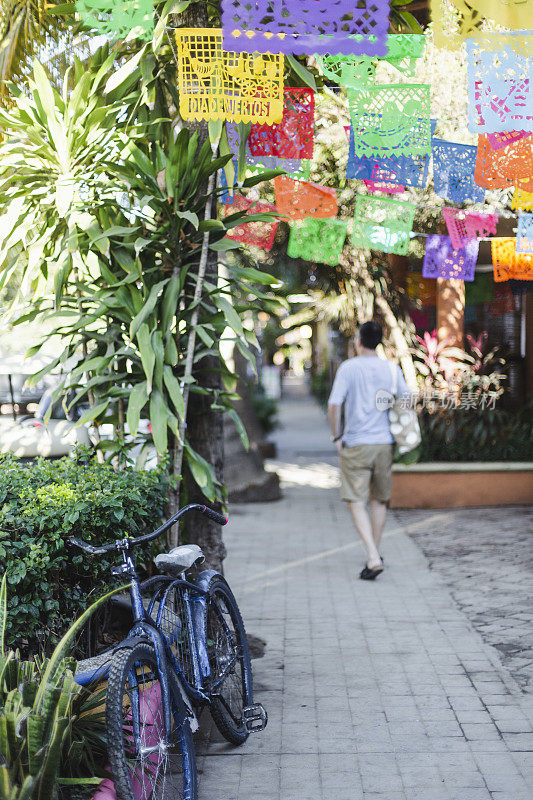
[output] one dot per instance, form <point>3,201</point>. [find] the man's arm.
<point>336,399</point>
<point>334,415</point>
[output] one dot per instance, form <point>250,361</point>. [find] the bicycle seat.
<point>179,559</point>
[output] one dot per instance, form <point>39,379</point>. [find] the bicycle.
<point>187,648</point>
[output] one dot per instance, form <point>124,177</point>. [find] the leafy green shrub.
<point>44,503</point>
<point>477,434</point>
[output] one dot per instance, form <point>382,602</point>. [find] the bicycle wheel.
<point>144,764</point>
<point>230,684</point>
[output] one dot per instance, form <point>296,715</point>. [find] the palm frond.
<point>27,32</point>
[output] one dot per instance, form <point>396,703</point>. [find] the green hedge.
<point>477,435</point>
<point>41,505</point>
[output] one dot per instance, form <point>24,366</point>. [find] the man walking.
<point>365,445</point>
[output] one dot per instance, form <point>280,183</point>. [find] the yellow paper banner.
<point>522,200</point>
<point>454,20</point>
<point>218,84</point>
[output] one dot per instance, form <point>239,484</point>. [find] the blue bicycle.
<point>187,648</point>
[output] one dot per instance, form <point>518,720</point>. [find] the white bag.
<point>403,420</point>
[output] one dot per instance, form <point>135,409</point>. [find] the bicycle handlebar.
<point>124,544</point>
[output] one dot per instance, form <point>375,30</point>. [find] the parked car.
<point>30,436</point>
<point>14,372</point>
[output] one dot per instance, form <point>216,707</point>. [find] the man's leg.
<point>380,490</point>
<point>363,525</point>
<point>378,514</point>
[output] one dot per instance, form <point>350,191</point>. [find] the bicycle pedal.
<point>255,718</point>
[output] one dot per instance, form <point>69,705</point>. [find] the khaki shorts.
<point>366,470</point>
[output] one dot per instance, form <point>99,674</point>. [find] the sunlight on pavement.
<point>319,476</point>
<point>251,583</point>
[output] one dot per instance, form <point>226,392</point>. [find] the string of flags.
<point>236,74</point>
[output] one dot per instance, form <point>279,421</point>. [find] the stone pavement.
<point>486,557</point>
<point>375,691</point>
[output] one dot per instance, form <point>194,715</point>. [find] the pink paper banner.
<point>499,140</point>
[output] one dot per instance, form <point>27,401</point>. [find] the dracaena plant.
<point>53,730</point>
<point>110,230</point>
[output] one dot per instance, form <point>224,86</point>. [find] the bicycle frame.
<point>145,627</point>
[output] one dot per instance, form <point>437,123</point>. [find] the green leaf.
<point>148,307</point>
<point>201,471</point>
<point>147,353</point>
<point>92,413</point>
<point>267,175</point>
<point>171,351</point>
<point>231,316</point>
<point>255,275</point>
<point>211,225</point>
<point>302,72</point>
<point>158,420</point>
<point>229,168</point>
<point>170,7</point>
<point>410,21</point>
<point>136,402</point>
<point>64,9</point>
<point>244,132</point>
<point>206,338</point>
<point>190,216</point>
<point>225,244</point>
<point>174,390</point>
<point>214,127</point>
<point>3,612</point>
<point>240,428</point>
<point>169,305</point>
<point>79,781</point>
<point>124,73</point>
<point>143,162</point>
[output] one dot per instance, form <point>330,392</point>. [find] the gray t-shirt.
<point>356,384</point>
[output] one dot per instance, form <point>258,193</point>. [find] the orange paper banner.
<point>512,165</point>
<point>508,264</point>
<point>301,199</point>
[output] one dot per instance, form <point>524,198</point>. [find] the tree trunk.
<point>205,431</point>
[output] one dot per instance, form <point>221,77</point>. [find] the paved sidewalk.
<point>375,691</point>
<point>486,557</point>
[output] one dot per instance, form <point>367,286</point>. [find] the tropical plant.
<point>446,370</point>
<point>24,29</point>
<point>52,731</point>
<point>116,232</point>
<point>438,363</point>
<point>484,359</point>
<point>459,393</point>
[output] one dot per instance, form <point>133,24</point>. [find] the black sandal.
<point>368,574</point>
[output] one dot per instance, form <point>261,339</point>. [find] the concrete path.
<point>381,691</point>
<point>486,558</point>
